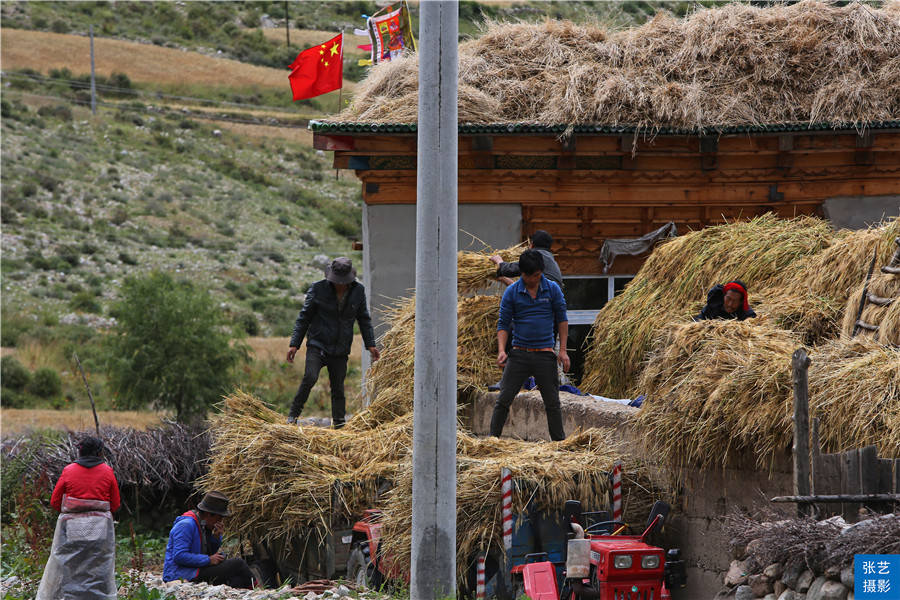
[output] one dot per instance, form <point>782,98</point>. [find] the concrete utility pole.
<point>93,84</point>
<point>433,571</point>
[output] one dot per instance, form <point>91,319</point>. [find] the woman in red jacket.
<point>82,561</point>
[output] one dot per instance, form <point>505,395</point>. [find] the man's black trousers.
<point>520,365</point>
<point>337,371</point>
<point>233,572</point>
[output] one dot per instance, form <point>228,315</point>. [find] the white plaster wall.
<point>855,212</point>
<point>389,246</point>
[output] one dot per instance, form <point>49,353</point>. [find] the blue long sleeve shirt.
<point>535,318</point>
<point>184,552</point>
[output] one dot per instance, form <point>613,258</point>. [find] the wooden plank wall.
<point>858,471</point>
<point>595,187</point>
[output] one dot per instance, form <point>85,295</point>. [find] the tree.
<point>171,347</point>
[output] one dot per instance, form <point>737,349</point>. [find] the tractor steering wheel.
<point>604,524</point>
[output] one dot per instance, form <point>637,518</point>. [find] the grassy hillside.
<point>88,201</point>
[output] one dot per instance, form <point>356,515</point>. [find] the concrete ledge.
<point>528,421</point>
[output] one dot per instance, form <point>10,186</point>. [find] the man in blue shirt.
<point>193,553</point>
<point>537,307</point>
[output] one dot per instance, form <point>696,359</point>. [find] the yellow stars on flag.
<point>334,49</point>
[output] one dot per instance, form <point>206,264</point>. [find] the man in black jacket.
<point>326,320</point>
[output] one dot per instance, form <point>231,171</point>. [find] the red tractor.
<point>603,564</point>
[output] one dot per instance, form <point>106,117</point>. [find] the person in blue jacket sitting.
<point>193,553</point>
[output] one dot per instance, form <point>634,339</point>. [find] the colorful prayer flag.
<point>318,70</point>
<point>391,34</point>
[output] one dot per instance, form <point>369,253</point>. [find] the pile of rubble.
<point>311,590</point>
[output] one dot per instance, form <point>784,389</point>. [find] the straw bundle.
<point>390,380</point>
<point>719,390</point>
<point>672,286</point>
<point>284,480</point>
<point>854,387</point>
<point>545,475</point>
<point>476,272</point>
<point>734,65</point>
<point>716,390</point>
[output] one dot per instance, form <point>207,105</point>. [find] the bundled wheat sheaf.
<point>719,392</point>
<point>735,65</point>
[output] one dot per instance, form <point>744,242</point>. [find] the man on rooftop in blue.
<point>537,307</point>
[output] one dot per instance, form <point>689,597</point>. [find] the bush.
<point>60,111</point>
<point>248,323</point>
<point>85,302</point>
<point>13,375</point>
<point>45,383</point>
<point>12,398</point>
<point>170,347</point>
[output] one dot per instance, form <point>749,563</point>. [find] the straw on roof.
<point>735,65</point>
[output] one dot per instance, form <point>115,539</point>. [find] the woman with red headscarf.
<point>728,301</point>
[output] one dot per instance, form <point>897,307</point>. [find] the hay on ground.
<point>732,65</point>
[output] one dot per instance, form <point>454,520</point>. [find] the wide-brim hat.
<point>340,271</point>
<point>215,503</point>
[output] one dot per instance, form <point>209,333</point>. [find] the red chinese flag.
<point>318,70</point>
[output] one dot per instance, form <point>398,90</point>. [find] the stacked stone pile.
<point>802,558</point>
<point>745,581</point>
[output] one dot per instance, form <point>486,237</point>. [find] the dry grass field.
<point>275,348</point>
<point>143,63</point>
<point>307,38</point>
<point>257,132</point>
<point>18,420</point>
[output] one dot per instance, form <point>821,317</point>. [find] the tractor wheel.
<point>360,568</point>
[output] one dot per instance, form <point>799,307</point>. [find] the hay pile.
<point>719,392</point>
<point>800,275</point>
<point>735,65</point>
<point>284,480</point>
<point>390,380</point>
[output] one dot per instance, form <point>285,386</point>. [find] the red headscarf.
<point>733,285</point>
